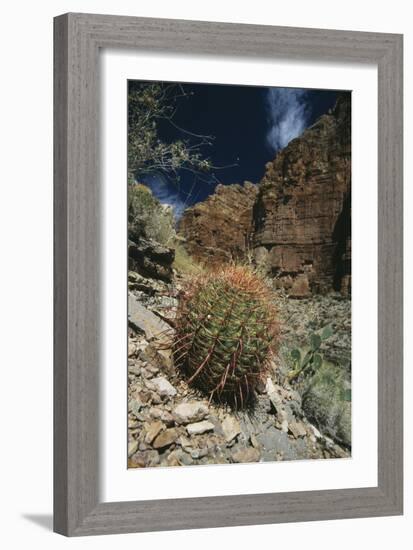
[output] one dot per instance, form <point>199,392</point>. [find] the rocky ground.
<point>299,318</point>
<point>170,424</point>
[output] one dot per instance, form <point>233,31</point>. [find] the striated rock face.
<point>151,259</point>
<point>302,213</point>
<point>220,228</point>
<point>296,221</point>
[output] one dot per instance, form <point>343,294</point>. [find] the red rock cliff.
<point>296,221</point>
<point>302,212</point>
<point>220,228</point>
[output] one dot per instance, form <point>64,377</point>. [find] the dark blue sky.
<point>249,123</point>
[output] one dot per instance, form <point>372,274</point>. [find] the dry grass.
<point>184,263</point>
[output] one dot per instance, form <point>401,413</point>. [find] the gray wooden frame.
<point>78,39</point>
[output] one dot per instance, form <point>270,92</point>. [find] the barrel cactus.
<point>226,334</point>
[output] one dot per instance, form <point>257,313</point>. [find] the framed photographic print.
<point>228,274</point>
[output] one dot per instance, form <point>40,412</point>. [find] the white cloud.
<point>166,193</point>
<point>288,115</point>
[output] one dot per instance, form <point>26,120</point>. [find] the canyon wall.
<point>296,222</point>
<point>303,210</point>
<point>220,228</point>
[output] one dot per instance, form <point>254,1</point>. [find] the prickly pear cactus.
<point>226,334</point>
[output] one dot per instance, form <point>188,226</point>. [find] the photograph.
<point>213,238</point>
<point>239,274</point>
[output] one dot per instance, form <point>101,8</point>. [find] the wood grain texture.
<point>390,273</point>
<point>78,38</point>
<point>60,245</point>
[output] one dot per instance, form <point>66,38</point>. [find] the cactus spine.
<point>226,333</point>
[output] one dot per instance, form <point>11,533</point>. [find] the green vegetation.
<point>147,218</point>
<point>324,387</point>
<point>149,106</point>
<point>226,332</point>
<point>313,359</point>
<point>327,401</point>
<point>183,262</point>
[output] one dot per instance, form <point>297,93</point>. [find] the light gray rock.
<point>163,387</point>
<point>316,432</point>
<point>284,425</point>
<point>199,427</point>
<point>231,428</point>
<point>248,426</point>
<point>165,416</point>
<point>283,411</point>
<point>131,349</point>
<point>217,424</point>
<point>143,320</point>
<point>185,443</point>
<point>188,412</point>
<point>185,459</point>
<point>273,439</point>
<point>134,369</point>
<point>276,443</point>
<point>199,453</point>
<point>270,386</point>
<point>135,406</point>
<point>132,447</point>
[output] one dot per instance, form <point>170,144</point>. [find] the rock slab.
<point>194,411</point>
<point>163,387</point>
<point>200,427</point>
<point>231,428</point>
<point>166,438</point>
<point>143,320</point>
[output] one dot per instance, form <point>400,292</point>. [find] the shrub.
<point>324,387</point>
<point>327,401</point>
<point>151,104</point>
<point>147,217</point>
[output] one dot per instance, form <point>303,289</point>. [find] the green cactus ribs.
<point>226,334</point>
